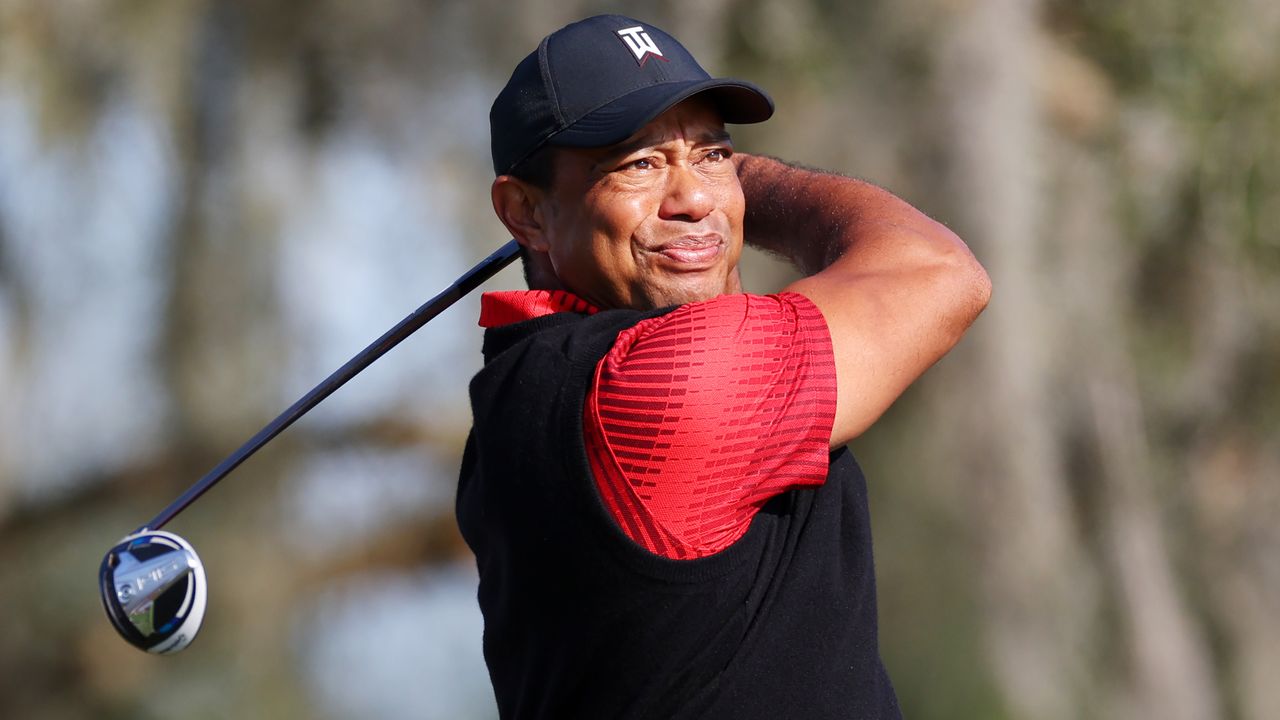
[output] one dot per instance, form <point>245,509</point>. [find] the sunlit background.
<point>206,207</point>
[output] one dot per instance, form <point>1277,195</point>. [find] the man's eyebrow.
<point>710,137</point>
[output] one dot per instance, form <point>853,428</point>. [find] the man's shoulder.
<point>732,319</point>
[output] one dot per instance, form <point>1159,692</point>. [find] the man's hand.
<point>897,289</point>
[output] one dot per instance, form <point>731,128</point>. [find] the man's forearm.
<point>812,218</point>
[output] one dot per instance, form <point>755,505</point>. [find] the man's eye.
<point>641,164</point>
<point>718,154</point>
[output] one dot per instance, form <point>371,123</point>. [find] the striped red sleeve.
<point>698,417</point>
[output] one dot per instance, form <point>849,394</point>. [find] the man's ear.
<point>519,207</point>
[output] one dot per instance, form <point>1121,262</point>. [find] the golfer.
<point>665,518</point>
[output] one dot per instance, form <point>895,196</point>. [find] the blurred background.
<point>207,206</point>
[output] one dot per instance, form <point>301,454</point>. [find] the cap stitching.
<point>544,73</point>
<point>547,82</point>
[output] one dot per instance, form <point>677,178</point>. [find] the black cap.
<point>597,81</point>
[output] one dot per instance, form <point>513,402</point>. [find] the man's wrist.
<point>784,214</point>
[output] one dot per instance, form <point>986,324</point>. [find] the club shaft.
<point>483,270</point>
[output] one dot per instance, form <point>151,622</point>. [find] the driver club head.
<point>154,591</point>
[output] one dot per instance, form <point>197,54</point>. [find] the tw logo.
<point>640,44</point>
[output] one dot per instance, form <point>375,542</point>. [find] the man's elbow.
<point>967,282</point>
<point>975,287</point>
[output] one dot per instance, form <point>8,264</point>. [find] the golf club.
<point>152,582</point>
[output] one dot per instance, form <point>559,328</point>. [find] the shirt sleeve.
<point>698,417</point>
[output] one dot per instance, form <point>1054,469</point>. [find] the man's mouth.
<point>694,252</point>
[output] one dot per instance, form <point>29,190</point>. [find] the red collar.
<point>510,306</point>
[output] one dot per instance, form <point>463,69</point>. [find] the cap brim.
<point>738,101</point>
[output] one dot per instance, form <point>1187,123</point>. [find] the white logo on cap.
<point>640,44</point>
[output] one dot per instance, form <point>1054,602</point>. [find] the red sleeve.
<point>700,416</point>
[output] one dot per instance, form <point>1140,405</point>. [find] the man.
<point>664,516</point>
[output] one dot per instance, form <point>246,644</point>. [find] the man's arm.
<point>897,289</point>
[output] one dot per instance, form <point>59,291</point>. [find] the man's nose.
<point>687,197</point>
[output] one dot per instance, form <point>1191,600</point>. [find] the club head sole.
<point>154,591</point>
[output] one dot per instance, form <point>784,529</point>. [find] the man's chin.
<point>687,293</point>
